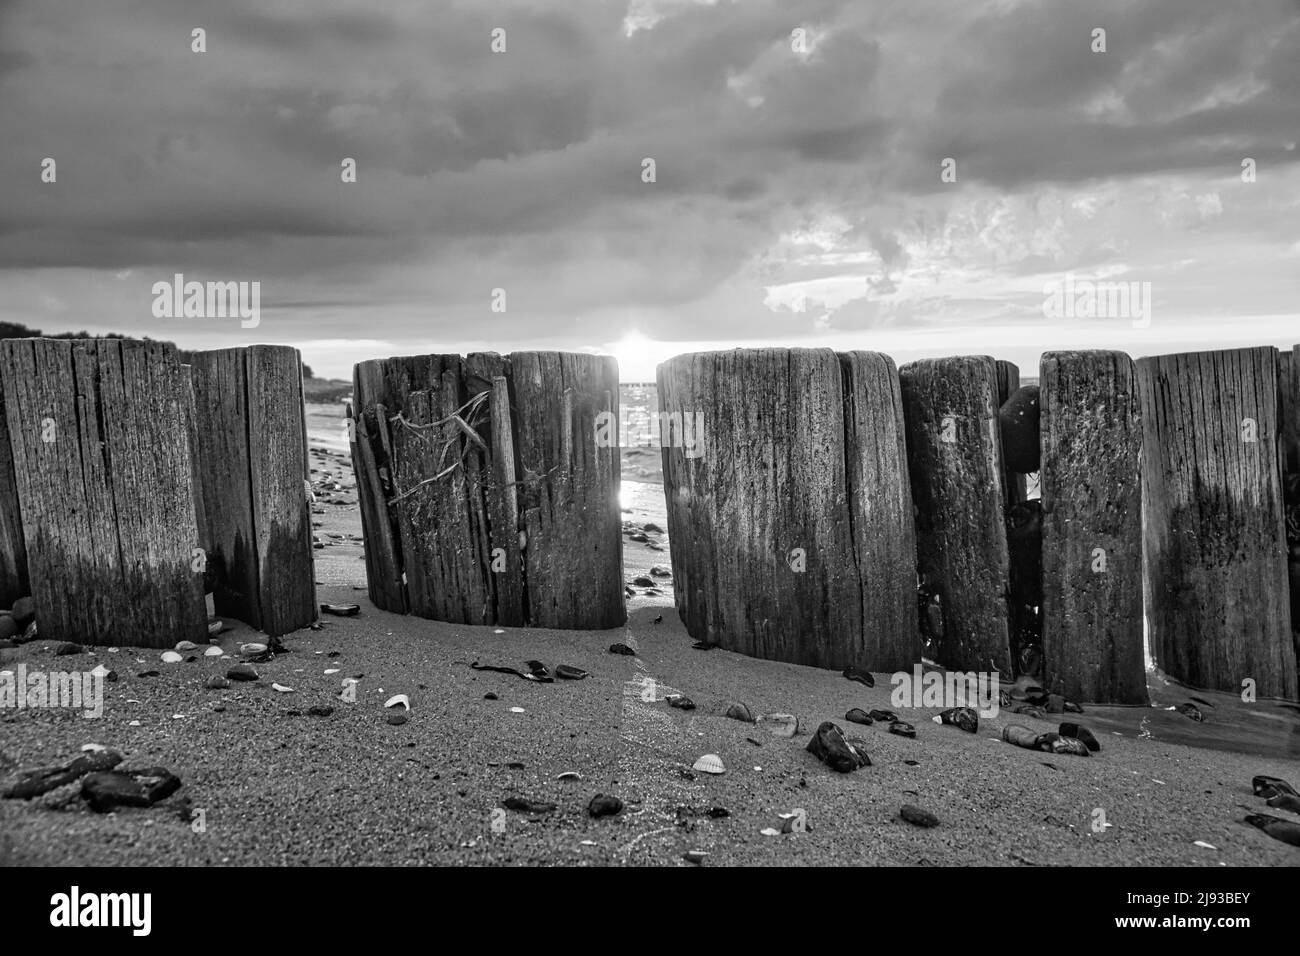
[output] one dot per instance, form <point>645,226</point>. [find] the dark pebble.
<point>23,612</point>
<point>398,717</point>
<point>8,627</point>
<point>963,717</point>
<point>133,788</point>
<point>242,672</point>
<point>341,610</point>
<point>652,527</point>
<point>147,674</point>
<point>1082,734</point>
<point>603,805</point>
<point>319,710</point>
<point>569,672</point>
<point>681,703</point>
<point>524,805</point>
<point>918,817</point>
<point>830,747</point>
<point>621,648</point>
<point>643,582</point>
<point>861,676</point>
<point>1192,711</point>
<point>741,712</point>
<point>217,683</point>
<point>490,696</point>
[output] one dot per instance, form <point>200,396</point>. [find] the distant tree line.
<point>16,330</point>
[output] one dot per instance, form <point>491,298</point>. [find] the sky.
<point>799,195</point>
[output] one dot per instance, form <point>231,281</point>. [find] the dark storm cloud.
<point>523,170</point>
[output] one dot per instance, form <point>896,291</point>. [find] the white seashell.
<point>710,763</point>
<point>252,649</point>
<point>185,646</point>
<point>133,723</point>
<point>215,628</point>
<point>516,710</point>
<point>93,748</point>
<point>769,831</point>
<point>399,699</point>
<point>1208,846</point>
<point>331,670</point>
<point>214,652</point>
<point>282,689</point>
<point>569,775</point>
<point>171,657</point>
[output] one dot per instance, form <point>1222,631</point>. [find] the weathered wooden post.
<point>1215,545</point>
<point>789,512</point>
<point>100,437</point>
<point>1289,385</point>
<point>251,466</point>
<point>487,493</point>
<point>955,462</point>
<point>1092,527</point>
<point>13,552</point>
<point>1013,482</point>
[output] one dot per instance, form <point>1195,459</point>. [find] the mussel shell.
<point>1020,736</point>
<point>902,728</point>
<point>856,715</point>
<point>963,717</point>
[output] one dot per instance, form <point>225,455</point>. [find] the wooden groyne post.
<point>1215,544</point>
<point>100,434</point>
<point>14,582</point>
<point>789,511</point>
<point>950,407</point>
<point>489,487</point>
<point>1092,528</point>
<point>250,474</point>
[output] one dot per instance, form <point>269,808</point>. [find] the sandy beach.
<point>281,787</point>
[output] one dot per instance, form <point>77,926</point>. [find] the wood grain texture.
<point>1214,538</point>
<point>790,529</point>
<point>100,434</point>
<point>250,466</point>
<point>523,525</point>
<point>955,463</point>
<point>1013,483</point>
<point>14,582</point>
<point>1092,527</point>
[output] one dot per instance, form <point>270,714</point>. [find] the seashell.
<point>963,717</point>
<point>902,728</point>
<point>214,652</point>
<point>1266,786</point>
<point>694,856</point>
<point>331,670</point>
<point>918,817</point>
<point>282,689</point>
<point>770,831</point>
<point>186,646</point>
<point>680,702</point>
<point>252,650</point>
<point>1020,736</point>
<point>709,763</point>
<point>781,725</point>
<point>1202,843</point>
<point>93,748</point>
<point>884,716</point>
<point>857,715</point>
<point>621,647</point>
<point>569,775</point>
<point>741,712</point>
<point>516,710</point>
<point>569,672</point>
<point>1082,734</point>
<point>399,699</point>
<point>171,657</point>
<point>215,628</point>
